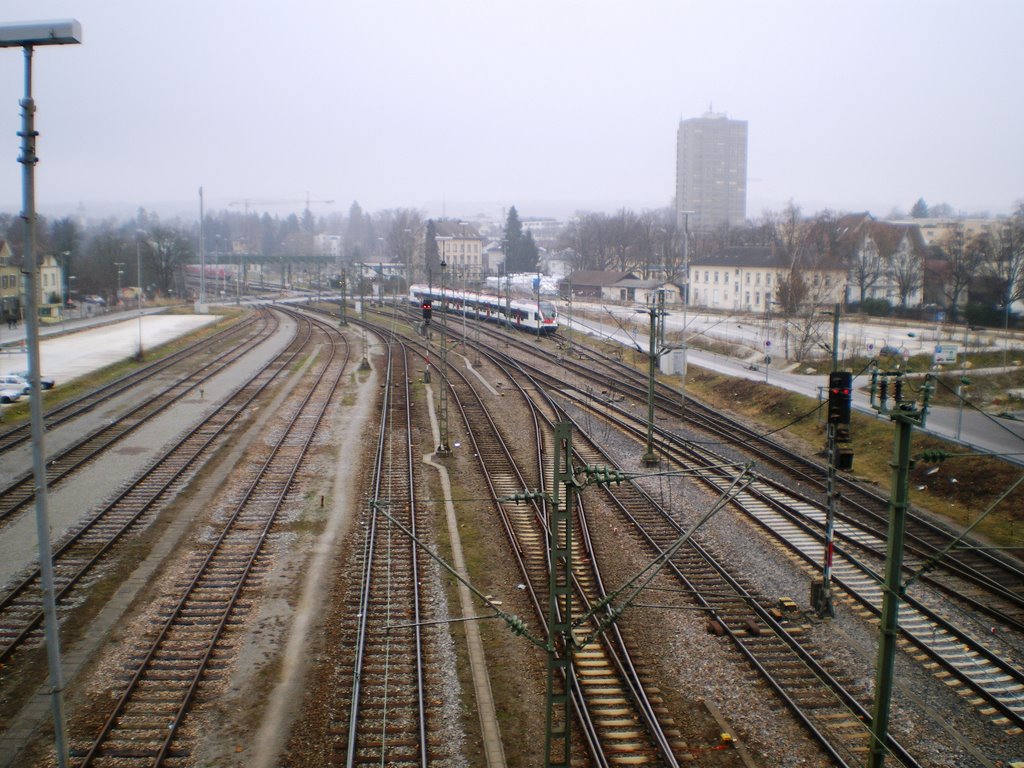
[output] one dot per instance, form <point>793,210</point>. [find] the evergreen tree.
<point>433,261</point>
<point>520,250</point>
<point>920,209</point>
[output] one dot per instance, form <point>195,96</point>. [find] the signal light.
<point>840,395</point>
<point>427,309</point>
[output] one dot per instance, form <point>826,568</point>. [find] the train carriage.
<point>517,313</point>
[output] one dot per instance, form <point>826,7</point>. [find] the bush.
<point>876,307</point>
<point>982,314</point>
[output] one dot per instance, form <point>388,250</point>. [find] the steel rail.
<point>68,555</point>
<point>394,433</point>
<point>84,403</point>
<point>303,424</point>
<point>20,493</point>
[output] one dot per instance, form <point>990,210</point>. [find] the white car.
<point>14,381</point>
<point>8,395</point>
<point>44,381</point>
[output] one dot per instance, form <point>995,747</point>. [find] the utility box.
<point>672,363</point>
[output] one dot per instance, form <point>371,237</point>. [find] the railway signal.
<point>840,384</point>
<point>428,309</point>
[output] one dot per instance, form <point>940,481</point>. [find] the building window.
<point>748,283</point>
<point>768,279</point>
<point>716,277</point>
<point>757,279</point>
<point>757,298</point>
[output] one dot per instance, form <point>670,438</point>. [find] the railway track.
<point>621,718</point>
<point>991,675</point>
<point>994,683</point>
<point>982,579</point>
<point>20,493</point>
<point>22,433</point>
<point>949,646</point>
<point>167,672</point>
<point>95,538</point>
<point>833,710</point>
<point>387,710</point>
<point>978,580</point>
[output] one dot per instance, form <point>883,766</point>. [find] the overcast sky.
<point>552,105</point>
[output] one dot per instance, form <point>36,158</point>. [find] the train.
<point>532,316</point>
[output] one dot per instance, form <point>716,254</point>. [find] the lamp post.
<point>650,458</point>
<point>138,277</point>
<point>444,449</point>
<point>120,271</point>
<point>686,298</point>
<point>64,282</point>
<point>26,36</point>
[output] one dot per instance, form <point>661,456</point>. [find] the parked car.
<point>16,382</point>
<point>44,381</point>
<point>9,395</point>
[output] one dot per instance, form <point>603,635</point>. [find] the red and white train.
<point>517,313</point>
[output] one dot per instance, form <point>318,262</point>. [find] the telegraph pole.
<point>557,742</point>
<point>650,458</point>
<point>906,416</point>
<point>444,449</point>
<point>342,320</point>
<point>839,397</point>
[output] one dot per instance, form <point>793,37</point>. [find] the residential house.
<point>50,298</point>
<point>885,261</point>
<point>460,247</point>
<point>748,278</point>
<point>590,283</point>
<point>10,284</point>
<point>635,291</point>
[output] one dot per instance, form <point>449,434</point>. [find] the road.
<point>979,431</point>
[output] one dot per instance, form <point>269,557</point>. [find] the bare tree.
<point>906,271</point>
<point>867,267</point>
<point>1005,260</point>
<point>168,249</point>
<point>402,228</point>
<point>963,261</point>
<point>623,232</point>
<point>588,236</point>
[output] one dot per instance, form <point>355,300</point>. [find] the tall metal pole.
<point>443,449</point>
<point>560,641</point>
<point>686,299</point>
<point>906,416</point>
<point>893,591</point>
<point>825,606</point>
<point>202,253</point>
<point>138,276</point>
<point>30,269</point>
<point>568,331</point>
<point>537,285</point>
<point>649,457</point>
<point>342,320</point>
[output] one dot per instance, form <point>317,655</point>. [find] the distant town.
<point>704,250</point>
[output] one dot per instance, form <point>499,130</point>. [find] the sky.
<point>461,107</point>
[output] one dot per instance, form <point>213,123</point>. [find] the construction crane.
<point>258,201</point>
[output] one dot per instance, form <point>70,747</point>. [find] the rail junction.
<point>689,640</point>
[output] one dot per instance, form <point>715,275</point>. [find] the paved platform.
<point>78,347</point>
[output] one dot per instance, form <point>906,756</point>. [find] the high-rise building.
<point>711,171</point>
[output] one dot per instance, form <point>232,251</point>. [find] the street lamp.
<point>686,296</point>
<point>27,35</point>
<point>120,271</point>
<point>64,282</point>
<point>138,276</point>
